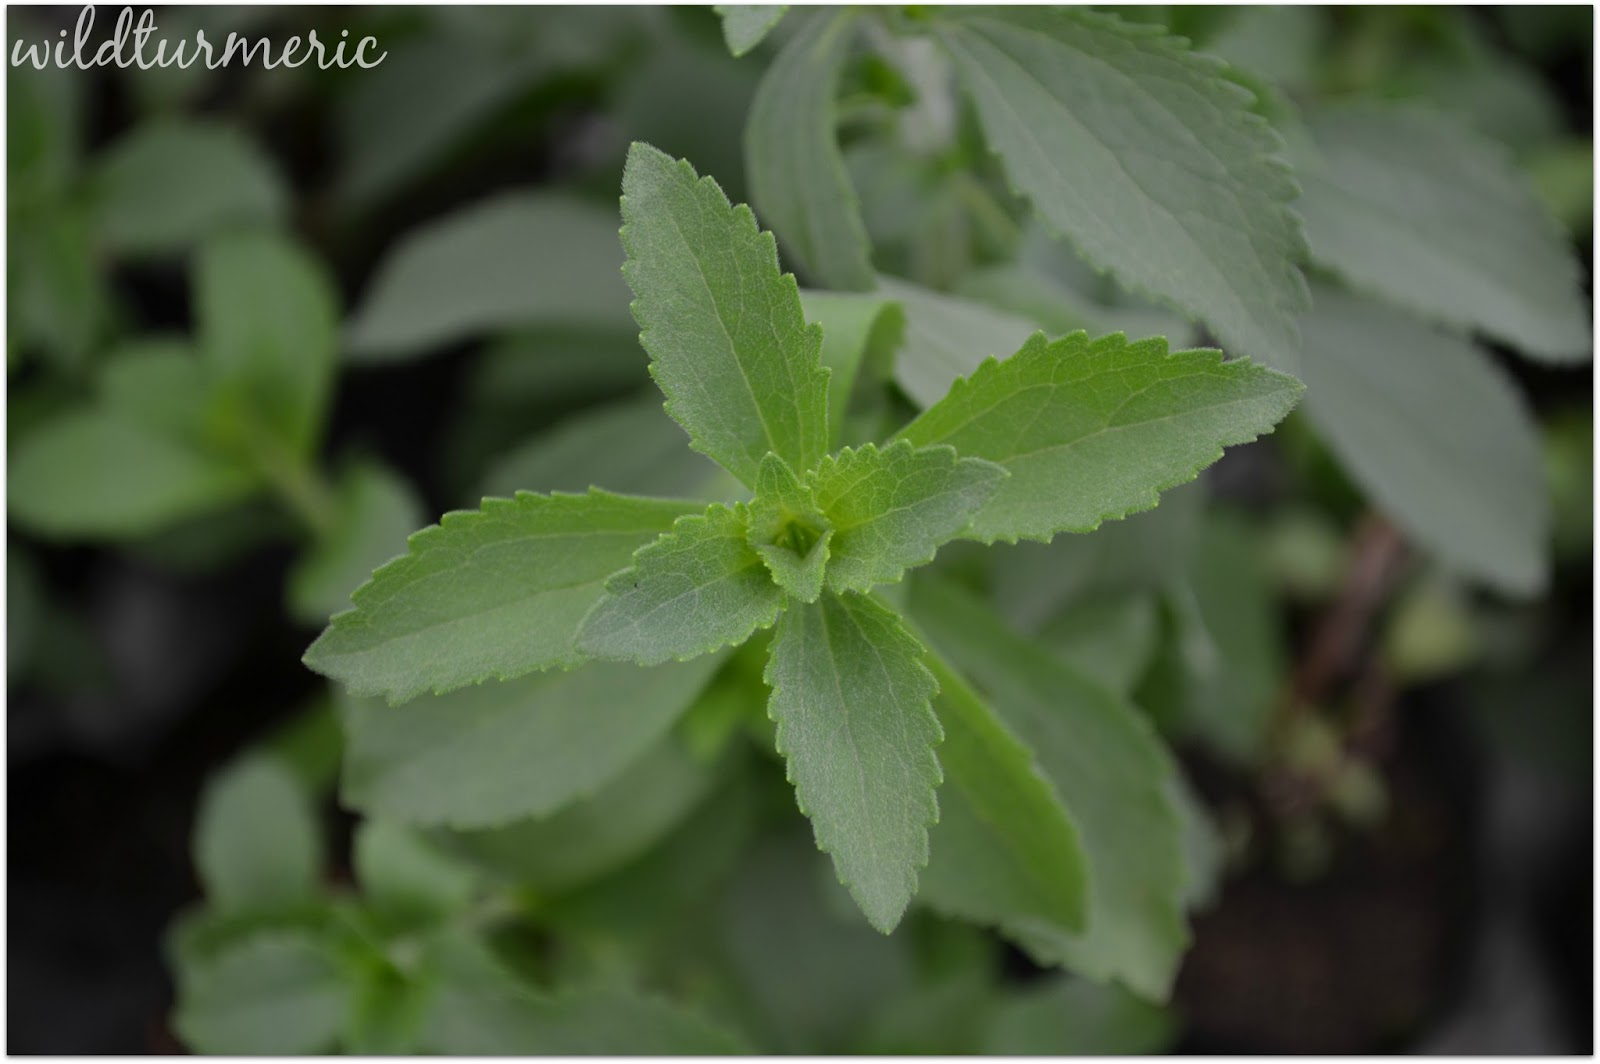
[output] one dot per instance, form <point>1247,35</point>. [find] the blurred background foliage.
<point>264,324</point>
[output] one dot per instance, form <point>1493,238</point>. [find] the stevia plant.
<point>1057,438</point>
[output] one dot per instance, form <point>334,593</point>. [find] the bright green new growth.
<point>1060,436</point>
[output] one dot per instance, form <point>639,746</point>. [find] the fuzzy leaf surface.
<point>485,594</point>
<point>851,698</point>
<point>791,149</point>
<point>1418,210</point>
<point>1147,157</point>
<point>890,509</point>
<point>1112,772</point>
<point>728,341</point>
<point>1092,430</point>
<point>699,587</point>
<point>786,530</point>
<point>489,754</point>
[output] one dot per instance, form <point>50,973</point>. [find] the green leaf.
<point>850,696</point>
<point>489,593</point>
<point>1435,433</point>
<point>745,25</point>
<point>513,260</point>
<point>403,874</point>
<point>1147,157</point>
<point>257,846</point>
<point>860,334</point>
<point>478,1009</point>
<point>94,474</point>
<point>1114,776</point>
<point>1091,430</point>
<point>489,754</point>
<point>948,337</point>
<point>630,445</point>
<point>267,323</point>
<point>377,511</point>
<point>158,383</point>
<point>170,183</point>
<point>699,587</point>
<point>1074,1017</point>
<point>797,174</point>
<point>1415,209</point>
<point>890,509</point>
<point>787,531</point>
<point>599,833</point>
<point>1108,638</point>
<point>1005,851</point>
<point>728,342</point>
<point>275,994</point>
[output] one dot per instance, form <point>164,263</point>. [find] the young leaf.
<point>1074,1017</point>
<point>1005,850</point>
<point>487,594</point>
<point>268,326</point>
<point>377,511</point>
<point>159,384</point>
<point>95,474</point>
<point>170,183</point>
<point>516,259</point>
<point>699,587</point>
<point>1417,210</point>
<point>1147,157</point>
<point>275,994</point>
<point>787,531</point>
<point>745,25</point>
<point>408,877</point>
<point>256,844</point>
<point>797,173</point>
<point>1091,430</point>
<point>890,509</point>
<point>489,754</point>
<point>1112,772</point>
<point>728,342</point>
<point>850,696</point>
<point>1436,433</point>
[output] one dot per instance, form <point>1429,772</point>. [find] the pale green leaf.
<point>406,876</point>
<point>1413,208</point>
<point>513,260</point>
<point>699,587</point>
<point>489,593</point>
<point>267,324</point>
<point>489,754</point>
<point>377,511</point>
<point>1147,157</point>
<point>597,834</point>
<point>94,474</point>
<point>1074,1017</point>
<point>1435,433</point>
<point>479,1009</point>
<point>1091,430</point>
<point>1113,774</point>
<point>860,334</point>
<point>947,337</point>
<point>1005,851</point>
<point>257,846</point>
<point>159,384</point>
<point>170,183</point>
<point>728,342</point>
<point>275,994</point>
<point>891,509</point>
<point>1109,638</point>
<point>630,445</point>
<point>850,696</point>
<point>797,174</point>
<point>787,531</point>
<point>745,25</point>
